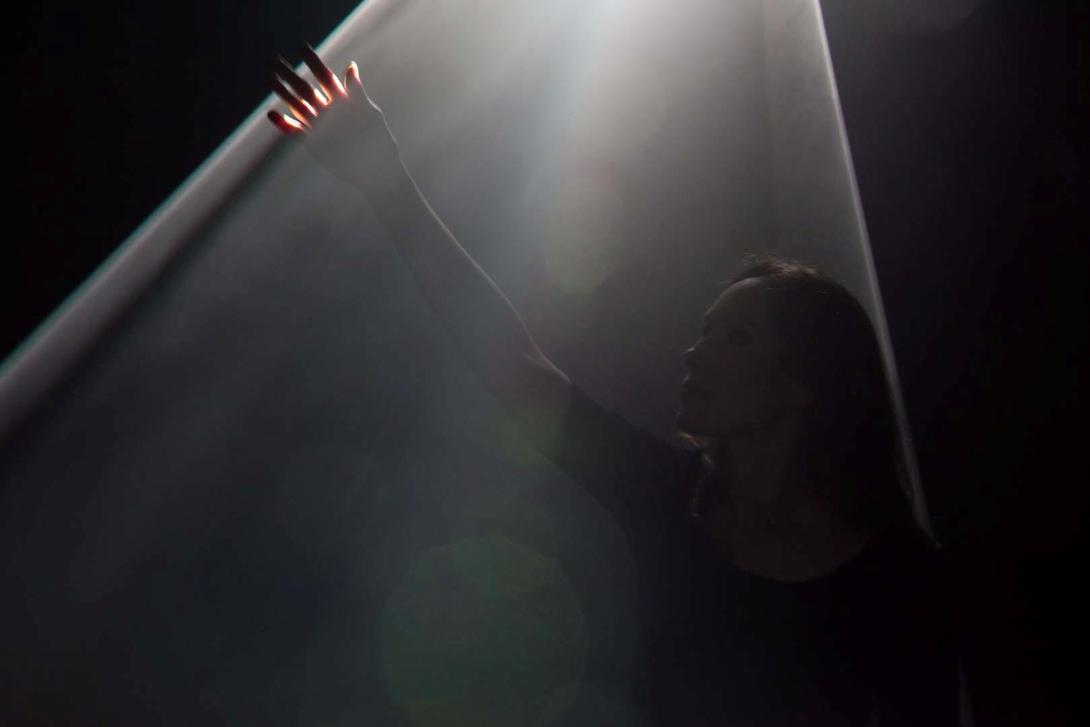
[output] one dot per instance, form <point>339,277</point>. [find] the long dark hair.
<point>851,447</point>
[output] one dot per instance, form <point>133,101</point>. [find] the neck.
<point>770,519</point>
<point>752,471</point>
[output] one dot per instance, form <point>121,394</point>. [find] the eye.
<point>739,337</point>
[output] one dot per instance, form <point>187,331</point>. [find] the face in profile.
<point>736,379</point>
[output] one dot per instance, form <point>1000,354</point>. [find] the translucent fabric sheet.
<point>245,463</point>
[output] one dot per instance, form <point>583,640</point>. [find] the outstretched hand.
<point>340,125</point>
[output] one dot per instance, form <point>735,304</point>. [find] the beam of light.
<point>607,162</point>
<point>911,469</point>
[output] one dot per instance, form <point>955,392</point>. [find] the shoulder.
<point>897,574</point>
<point>898,591</point>
<point>907,628</point>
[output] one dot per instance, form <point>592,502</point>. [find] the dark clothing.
<point>727,647</point>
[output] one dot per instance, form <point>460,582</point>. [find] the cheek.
<point>742,374</point>
<point>748,396</point>
<point>742,402</point>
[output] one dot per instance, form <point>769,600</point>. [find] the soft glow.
<point>583,233</point>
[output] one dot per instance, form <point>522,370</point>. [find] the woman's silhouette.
<point>783,580</point>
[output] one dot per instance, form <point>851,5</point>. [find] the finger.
<point>326,78</point>
<point>301,88</point>
<point>300,108</point>
<point>286,123</point>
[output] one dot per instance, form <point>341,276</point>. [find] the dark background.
<point>969,147</point>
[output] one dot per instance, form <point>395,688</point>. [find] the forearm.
<point>355,143</point>
<point>476,312</point>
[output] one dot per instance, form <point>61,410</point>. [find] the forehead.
<point>748,298</point>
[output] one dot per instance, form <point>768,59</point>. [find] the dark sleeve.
<point>629,471</point>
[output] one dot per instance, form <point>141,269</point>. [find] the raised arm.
<point>487,328</point>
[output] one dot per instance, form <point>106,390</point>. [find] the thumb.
<point>352,77</point>
<point>354,86</point>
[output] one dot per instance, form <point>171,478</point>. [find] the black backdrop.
<point>969,147</point>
